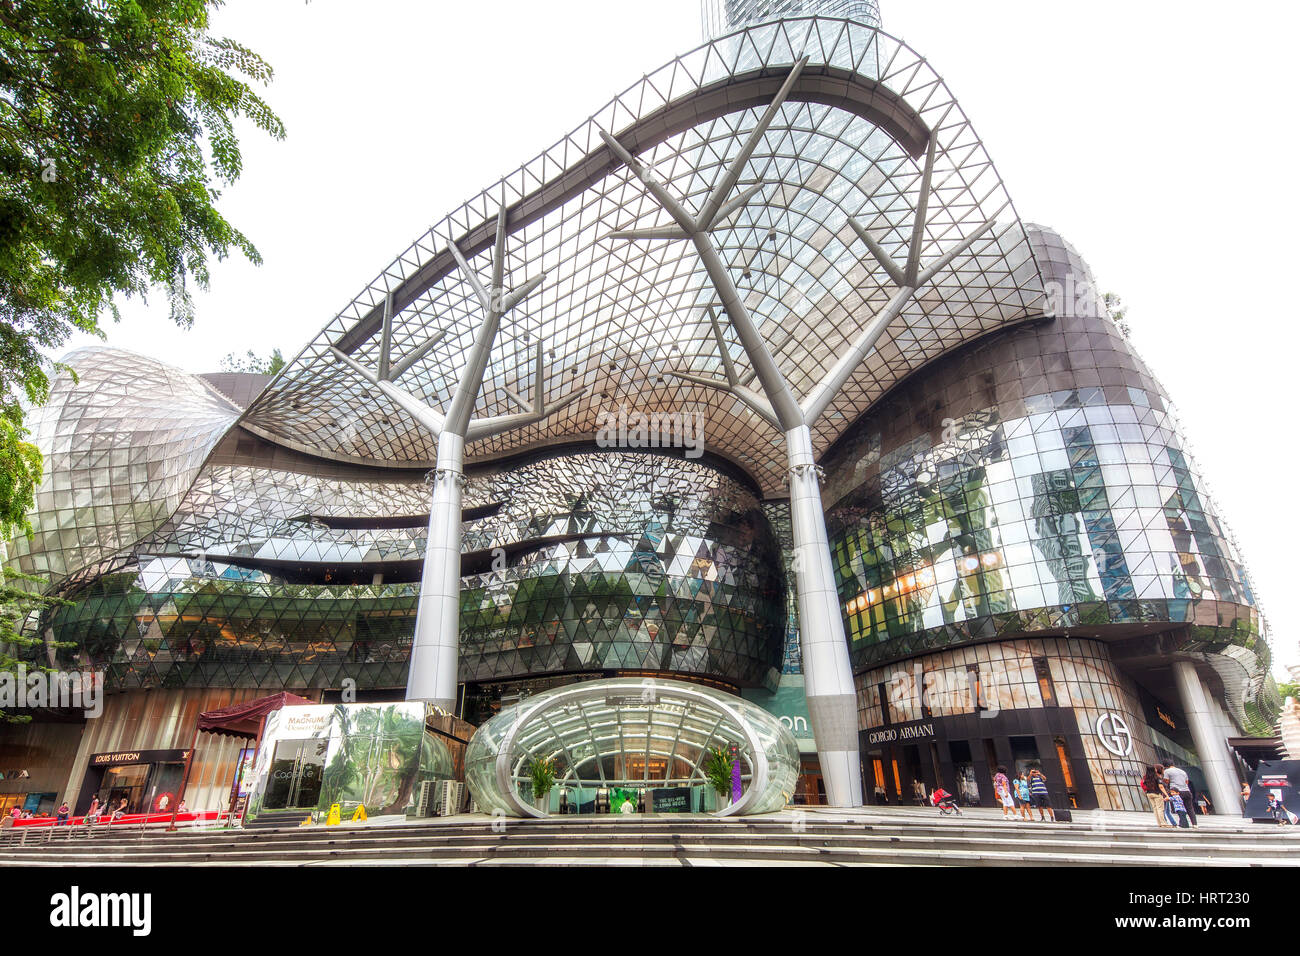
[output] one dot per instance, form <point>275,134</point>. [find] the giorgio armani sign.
<point>902,733</point>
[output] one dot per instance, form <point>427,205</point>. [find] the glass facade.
<point>1009,677</point>
<point>620,323</point>
<point>723,16</point>
<point>1034,482</point>
<point>587,562</point>
<point>121,448</point>
<point>374,756</point>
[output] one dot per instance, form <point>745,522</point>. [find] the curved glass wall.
<point>589,562</point>
<point>629,734</point>
<point>123,442</point>
<point>1034,482</point>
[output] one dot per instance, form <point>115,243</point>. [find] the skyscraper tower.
<point>720,17</point>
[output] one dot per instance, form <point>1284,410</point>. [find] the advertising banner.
<point>1280,779</point>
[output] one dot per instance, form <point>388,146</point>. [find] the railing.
<point>48,831</point>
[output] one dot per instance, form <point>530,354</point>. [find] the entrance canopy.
<point>630,733</point>
<point>245,719</point>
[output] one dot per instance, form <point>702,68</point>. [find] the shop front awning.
<point>245,719</point>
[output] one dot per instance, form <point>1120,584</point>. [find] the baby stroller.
<point>945,801</point>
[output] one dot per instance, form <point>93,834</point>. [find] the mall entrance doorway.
<point>297,771</point>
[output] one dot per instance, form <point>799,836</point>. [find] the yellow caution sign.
<point>306,823</point>
<point>335,817</point>
<point>359,815</point>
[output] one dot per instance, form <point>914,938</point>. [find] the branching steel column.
<point>435,650</point>
<point>828,676</point>
<point>832,703</point>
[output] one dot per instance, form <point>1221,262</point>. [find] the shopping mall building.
<point>753,389</point>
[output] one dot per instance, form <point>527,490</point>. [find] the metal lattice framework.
<point>868,180</point>
<point>123,445</point>
<point>612,732</point>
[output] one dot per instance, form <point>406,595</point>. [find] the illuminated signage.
<point>1165,718</point>
<point>138,756</point>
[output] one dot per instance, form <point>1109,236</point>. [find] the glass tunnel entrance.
<point>629,746</point>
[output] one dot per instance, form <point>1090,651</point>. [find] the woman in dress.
<point>1002,790</point>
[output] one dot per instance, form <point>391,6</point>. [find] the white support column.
<point>1228,729</point>
<point>435,650</point>
<point>828,676</point>
<point>1211,746</point>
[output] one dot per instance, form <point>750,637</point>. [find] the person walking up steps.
<point>1178,807</point>
<point>1150,785</point>
<point>1176,779</point>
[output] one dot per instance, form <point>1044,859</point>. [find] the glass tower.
<point>721,17</point>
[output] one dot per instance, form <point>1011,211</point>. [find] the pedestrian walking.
<point>1002,789</point>
<point>1150,785</point>
<point>1176,779</point>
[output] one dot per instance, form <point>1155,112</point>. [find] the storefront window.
<point>1024,753</point>
<point>1067,774</point>
<point>124,782</point>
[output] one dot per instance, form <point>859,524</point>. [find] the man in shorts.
<point>1041,798</point>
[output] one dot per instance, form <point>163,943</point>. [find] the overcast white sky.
<point>1158,137</point>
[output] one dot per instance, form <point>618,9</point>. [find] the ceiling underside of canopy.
<point>615,318</point>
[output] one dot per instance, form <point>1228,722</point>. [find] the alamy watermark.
<point>21,689</point>
<point>948,691</point>
<point>631,428</point>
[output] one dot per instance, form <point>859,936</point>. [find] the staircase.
<point>838,838</point>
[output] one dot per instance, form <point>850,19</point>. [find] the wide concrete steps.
<point>691,841</point>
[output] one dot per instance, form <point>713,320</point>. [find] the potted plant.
<point>717,771</point>
<point>542,771</point>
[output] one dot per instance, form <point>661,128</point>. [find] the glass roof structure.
<point>869,173</point>
<point>634,733</point>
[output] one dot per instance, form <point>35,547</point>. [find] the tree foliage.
<point>252,362</point>
<point>17,605</point>
<point>1118,312</point>
<point>117,126</point>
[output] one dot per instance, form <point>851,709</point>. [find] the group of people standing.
<point>1022,794</point>
<point>1169,791</point>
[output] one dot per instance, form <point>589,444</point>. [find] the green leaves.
<point>717,770</point>
<point>542,772</point>
<point>251,362</point>
<point>116,119</point>
<point>20,473</point>
<point>21,599</point>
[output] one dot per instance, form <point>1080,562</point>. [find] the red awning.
<point>245,719</point>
